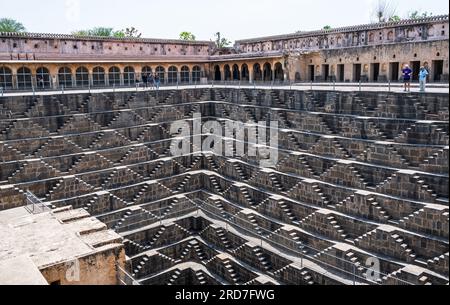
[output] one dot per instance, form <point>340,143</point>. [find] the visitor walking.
<point>157,81</point>
<point>423,78</point>
<point>407,72</point>
<point>145,80</point>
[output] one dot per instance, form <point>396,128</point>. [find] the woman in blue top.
<point>407,72</point>
<point>423,78</point>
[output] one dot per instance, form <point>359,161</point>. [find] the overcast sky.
<point>235,19</point>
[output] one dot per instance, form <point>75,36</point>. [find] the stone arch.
<point>161,72</point>
<point>227,73</point>
<point>390,36</point>
<point>82,77</point>
<point>196,74</point>
<point>279,73</point>
<point>217,73</point>
<point>245,74</point>
<point>236,74</point>
<point>184,74</point>
<point>24,79</point>
<point>172,75</point>
<point>42,78</point>
<point>257,72</point>
<point>129,76</point>
<point>146,70</point>
<point>6,80</point>
<point>411,33</point>
<point>98,76</point>
<point>267,72</point>
<point>65,77</point>
<point>114,76</point>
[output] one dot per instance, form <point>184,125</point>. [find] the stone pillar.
<point>74,79</point>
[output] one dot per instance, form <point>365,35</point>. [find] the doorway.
<point>438,70</point>
<point>375,68</point>
<point>394,68</point>
<point>217,74</point>
<point>341,72</point>
<point>356,72</point>
<point>311,73</point>
<point>326,72</point>
<point>415,66</point>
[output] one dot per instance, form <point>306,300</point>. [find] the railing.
<point>124,278</point>
<point>140,86</point>
<point>232,221</point>
<point>35,205</point>
<point>264,237</point>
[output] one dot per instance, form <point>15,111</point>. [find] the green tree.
<point>187,36</point>
<point>327,27</point>
<point>11,25</point>
<point>81,33</point>
<point>119,34</point>
<point>98,31</point>
<point>394,18</point>
<point>221,42</point>
<point>418,15</point>
<point>102,32</point>
<point>108,32</point>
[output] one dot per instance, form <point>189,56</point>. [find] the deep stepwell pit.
<point>360,175</point>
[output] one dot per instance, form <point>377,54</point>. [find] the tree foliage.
<point>108,32</point>
<point>418,15</point>
<point>187,36</point>
<point>327,27</point>
<point>394,18</point>
<point>11,26</point>
<point>131,32</point>
<point>221,42</point>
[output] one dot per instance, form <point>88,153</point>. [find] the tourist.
<point>407,77</point>
<point>40,82</point>
<point>145,79</point>
<point>151,80</point>
<point>423,78</point>
<point>157,81</point>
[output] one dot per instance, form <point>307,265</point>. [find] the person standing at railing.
<point>423,78</point>
<point>407,72</point>
<point>151,80</point>
<point>40,82</point>
<point>157,81</point>
<point>145,80</point>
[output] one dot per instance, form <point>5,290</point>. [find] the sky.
<point>235,19</point>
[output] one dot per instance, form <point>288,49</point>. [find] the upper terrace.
<point>411,30</point>
<point>47,47</point>
<point>44,47</point>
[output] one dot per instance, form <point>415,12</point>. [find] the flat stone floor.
<point>371,87</point>
<point>50,238</point>
<point>20,271</point>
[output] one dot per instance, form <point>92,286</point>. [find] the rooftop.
<point>100,38</point>
<point>370,26</point>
